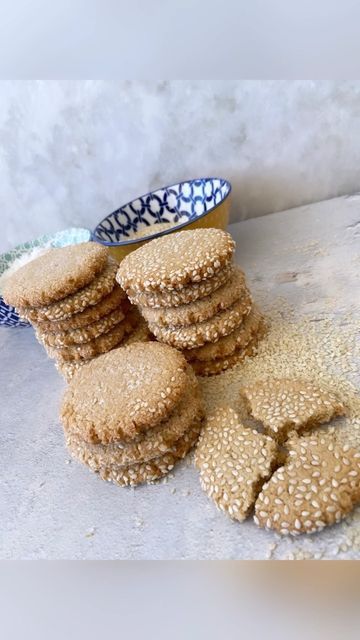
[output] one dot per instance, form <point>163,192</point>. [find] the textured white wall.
<point>71,152</point>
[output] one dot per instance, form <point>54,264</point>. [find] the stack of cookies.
<point>194,298</point>
<point>71,297</point>
<point>131,414</point>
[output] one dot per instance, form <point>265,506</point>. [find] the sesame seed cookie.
<point>186,295</point>
<point>55,274</point>
<point>152,470</point>
<point>88,296</point>
<point>125,392</point>
<point>318,486</point>
<point>176,260</point>
<point>227,345</point>
<point>95,347</point>
<point>218,365</point>
<point>83,335</point>
<point>196,335</point>
<point>284,404</point>
<point>233,462</point>
<point>113,300</point>
<point>202,309</point>
<point>154,443</point>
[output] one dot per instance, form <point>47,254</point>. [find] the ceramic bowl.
<point>8,315</point>
<point>204,202</point>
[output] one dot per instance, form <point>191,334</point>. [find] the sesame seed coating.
<point>55,274</point>
<point>185,295</point>
<point>227,345</point>
<point>154,443</point>
<point>113,300</point>
<point>95,347</point>
<point>124,392</point>
<point>202,309</point>
<point>218,365</point>
<point>152,470</point>
<point>195,335</point>
<point>82,335</point>
<point>176,260</point>
<point>89,295</point>
<point>318,486</point>
<point>233,462</point>
<point>284,404</point>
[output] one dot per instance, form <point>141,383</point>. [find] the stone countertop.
<point>51,507</point>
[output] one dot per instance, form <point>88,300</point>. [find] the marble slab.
<point>51,507</point>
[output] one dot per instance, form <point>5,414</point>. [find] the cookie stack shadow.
<point>194,298</point>
<point>72,299</point>
<point>133,413</point>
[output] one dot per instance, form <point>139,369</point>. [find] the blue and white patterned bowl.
<point>8,315</point>
<point>203,202</point>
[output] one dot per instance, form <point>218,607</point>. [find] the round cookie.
<point>124,392</point>
<point>103,343</point>
<point>202,309</point>
<point>155,443</point>
<point>318,486</point>
<point>83,335</point>
<point>196,335</point>
<point>113,300</point>
<point>234,341</point>
<point>213,367</point>
<point>186,295</point>
<point>149,472</point>
<point>88,296</point>
<point>233,461</point>
<point>55,275</point>
<point>176,260</point>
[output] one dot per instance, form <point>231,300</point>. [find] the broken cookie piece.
<point>318,486</point>
<point>233,462</point>
<point>284,404</point>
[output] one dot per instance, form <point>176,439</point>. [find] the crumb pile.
<point>194,298</point>
<point>131,414</point>
<point>71,297</point>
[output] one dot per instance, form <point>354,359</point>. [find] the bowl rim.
<point>123,243</point>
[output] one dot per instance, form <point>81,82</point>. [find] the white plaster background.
<point>71,152</point>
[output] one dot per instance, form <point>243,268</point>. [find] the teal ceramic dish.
<point>8,315</point>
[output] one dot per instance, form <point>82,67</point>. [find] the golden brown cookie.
<point>186,295</point>
<point>83,335</point>
<point>103,343</point>
<point>113,300</point>
<point>88,296</point>
<point>55,274</point>
<point>227,345</point>
<point>202,309</point>
<point>187,414</point>
<point>154,469</point>
<point>318,486</point>
<point>176,260</point>
<point>218,365</point>
<point>125,392</point>
<point>283,404</point>
<point>233,462</point>
<point>196,335</point>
